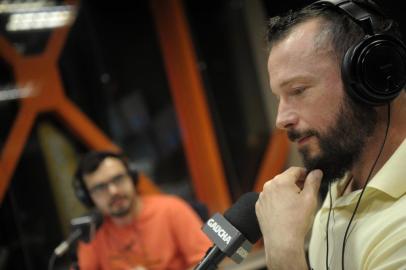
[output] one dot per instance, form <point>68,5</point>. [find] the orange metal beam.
<point>274,159</point>
<point>14,145</point>
<point>40,74</point>
<point>82,127</point>
<point>188,94</point>
<point>7,51</point>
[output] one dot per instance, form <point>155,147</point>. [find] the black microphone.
<point>233,234</point>
<point>83,227</point>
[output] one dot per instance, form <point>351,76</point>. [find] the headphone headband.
<point>366,15</point>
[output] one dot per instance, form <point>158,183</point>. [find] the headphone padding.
<point>374,70</point>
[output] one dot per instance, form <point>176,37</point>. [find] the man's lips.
<point>117,201</point>
<point>304,139</point>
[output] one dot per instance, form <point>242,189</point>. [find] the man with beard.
<point>354,148</point>
<point>158,232</point>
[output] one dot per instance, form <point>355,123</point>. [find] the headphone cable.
<point>364,187</point>
<point>328,222</point>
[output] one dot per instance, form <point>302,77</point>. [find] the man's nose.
<point>287,116</point>
<point>112,188</point>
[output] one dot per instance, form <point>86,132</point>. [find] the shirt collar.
<point>390,179</point>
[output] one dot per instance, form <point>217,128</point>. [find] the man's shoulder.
<point>164,201</point>
<point>165,198</point>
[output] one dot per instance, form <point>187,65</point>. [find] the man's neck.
<point>133,213</point>
<point>396,134</point>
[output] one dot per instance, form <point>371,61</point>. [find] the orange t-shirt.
<point>166,235</point>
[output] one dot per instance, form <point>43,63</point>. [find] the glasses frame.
<point>102,188</point>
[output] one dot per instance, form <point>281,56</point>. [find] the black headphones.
<point>374,69</point>
<point>79,186</point>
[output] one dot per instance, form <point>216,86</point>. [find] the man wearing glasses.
<point>138,232</point>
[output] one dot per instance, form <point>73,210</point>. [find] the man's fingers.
<point>295,174</point>
<point>312,182</point>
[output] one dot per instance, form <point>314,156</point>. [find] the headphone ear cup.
<point>81,193</point>
<point>374,70</point>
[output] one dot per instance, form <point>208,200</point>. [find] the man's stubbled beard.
<point>124,211</point>
<point>342,144</point>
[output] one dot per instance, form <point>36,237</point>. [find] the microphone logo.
<point>219,230</point>
<point>233,233</point>
<point>227,238</point>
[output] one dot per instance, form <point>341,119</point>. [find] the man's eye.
<point>119,178</point>
<point>298,91</point>
<point>99,188</point>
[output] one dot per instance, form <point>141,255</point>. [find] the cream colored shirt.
<point>377,236</point>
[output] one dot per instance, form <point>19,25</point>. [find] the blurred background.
<point>180,87</point>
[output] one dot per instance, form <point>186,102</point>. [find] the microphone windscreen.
<point>243,217</point>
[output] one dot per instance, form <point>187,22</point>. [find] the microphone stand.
<point>213,255</point>
<point>63,247</point>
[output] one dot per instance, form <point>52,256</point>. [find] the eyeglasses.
<point>103,188</point>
